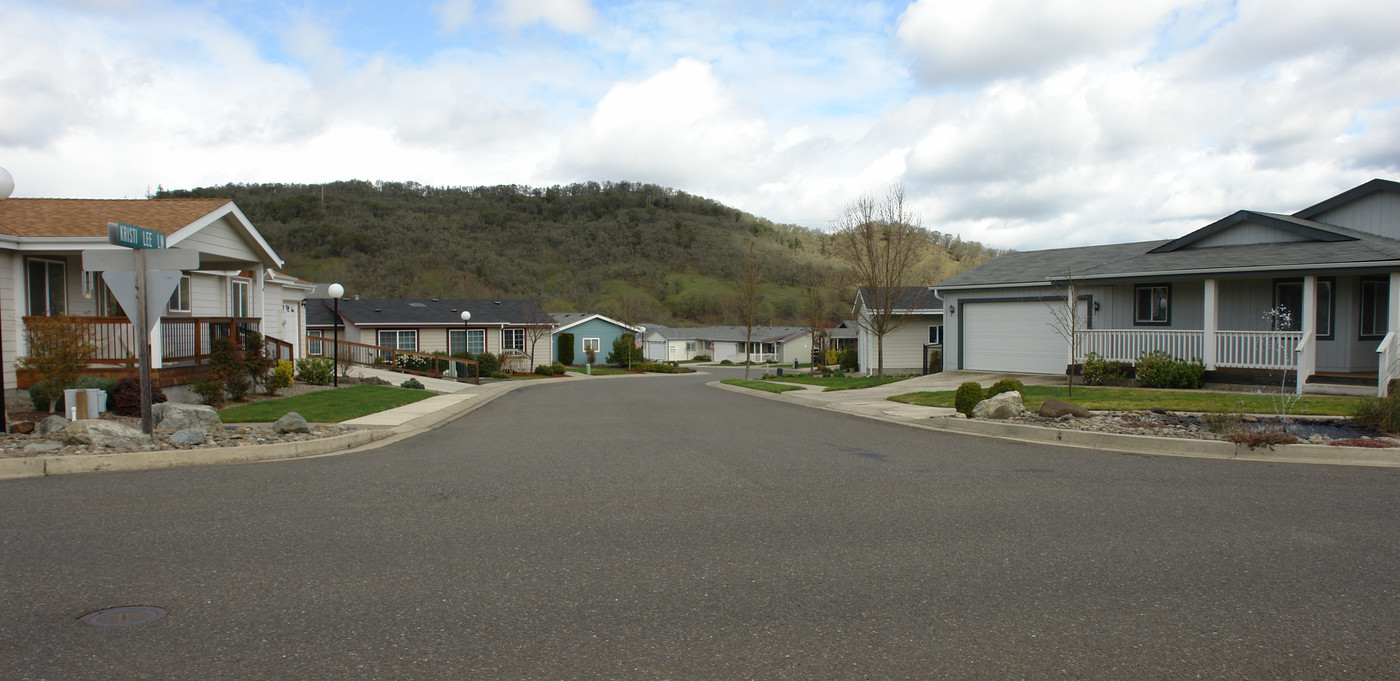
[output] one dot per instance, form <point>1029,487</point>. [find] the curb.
<point>358,441</point>
<point>1130,444</point>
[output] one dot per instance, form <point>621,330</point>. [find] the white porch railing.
<point>1126,345</point>
<point>1257,349</point>
<point>1389,368</point>
<point>1233,349</point>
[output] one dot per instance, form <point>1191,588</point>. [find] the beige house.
<point>235,288</point>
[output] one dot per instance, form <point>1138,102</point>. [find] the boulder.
<point>177,416</point>
<point>98,433</point>
<point>188,437</point>
<point>1002,406</point>
<point>1056,408</point>
<point>52,425</point>
<point>22,427</point>
<point>292,422</point>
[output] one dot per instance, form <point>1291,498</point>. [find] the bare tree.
<point>748,302</point>
<point>538,326</point>
<point>879,240</point>
<point>1067,320</point>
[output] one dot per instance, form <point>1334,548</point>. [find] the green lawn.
<point>326,406</point>
<point>1129,399</point>
<point>601,370</point>
<point>767,386</point>
<point>834,383</point>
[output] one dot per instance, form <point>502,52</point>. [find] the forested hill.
<point>661,254</point>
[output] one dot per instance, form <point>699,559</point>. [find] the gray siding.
<point>1378,213</point>
<point>1246,233</point>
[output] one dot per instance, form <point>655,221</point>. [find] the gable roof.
<point>434,312</point>
<point>1309,230</point>
<point>568,320</point>
<point>88,218</point>
<point>906,299</point>
<point>1376,185</point>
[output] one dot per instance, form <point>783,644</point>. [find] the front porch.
<point>179,347</point>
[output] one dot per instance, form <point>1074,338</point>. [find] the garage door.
<point>1012,337</point>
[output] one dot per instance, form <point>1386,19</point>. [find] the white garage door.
<point>1012,337</point>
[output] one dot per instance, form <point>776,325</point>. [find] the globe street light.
<point>466,331</point>
<point>336,291</point>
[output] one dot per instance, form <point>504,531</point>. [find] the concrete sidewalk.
<point>874,403</point>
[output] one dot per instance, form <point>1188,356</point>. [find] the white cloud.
<point>454,14</point>
<point>570,16</point>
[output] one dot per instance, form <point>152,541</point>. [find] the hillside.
<point>633,250</point>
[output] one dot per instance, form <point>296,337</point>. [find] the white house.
<point>906,348</point>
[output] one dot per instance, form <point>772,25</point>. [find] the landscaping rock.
<point>1053,408</point>
<point>98,433</point>
<point>22,428</point>
<point>177,416</point>
<point>42,447</point>
<point>52,425</point>
<point>1003,406</point>
<point>188,437</point>
<point>292,422</point>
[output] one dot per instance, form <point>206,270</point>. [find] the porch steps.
<point>1355,385</point>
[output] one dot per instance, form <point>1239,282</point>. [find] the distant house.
<point>781,344</point>
<point>234,290</point>
<point>590,331</point>
<point>670,344</point>
<point>907,347</point>
<point>514,328</point>
<point>1332,269</point>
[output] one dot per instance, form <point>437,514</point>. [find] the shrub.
<point>316,370</point>
<point>967,397</point>
<point>210,391</point>
<point>848,359</point>
<point>228,363</point>
<point>1005,385</point>
<point>725,362</point>
<point>1379,412</point>
<point>566,348</point>
<point>125,397</point>
<point>59,348</point>
<point>702,358</point>
<point>412,384</point>
<point>659,368</point>
<point>282,376</point>
<point>559,368</point>
<point>256,364</point>
<point>1221,423</point>
<point>1157,369</point>
<point>489,364</point>
<point>935,361</point>
<point>545,370</point>
<point>1099,371</point>
<point>625,351</point>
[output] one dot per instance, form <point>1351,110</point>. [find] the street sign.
<point>131,236</point>
<point>159,285</point>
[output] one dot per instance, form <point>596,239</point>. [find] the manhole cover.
<point>128,616</point>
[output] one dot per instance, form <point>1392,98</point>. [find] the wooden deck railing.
<point>406,361</point>
<point>184,340</point>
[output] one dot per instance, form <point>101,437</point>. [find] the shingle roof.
<point>77,218</point>
<point>424,312</point>
<point>761,334</point>
<point>906,298</point>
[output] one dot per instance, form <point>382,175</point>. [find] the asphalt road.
<point>654,528</point>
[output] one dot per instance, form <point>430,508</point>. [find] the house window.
<point>513,339</point>
<point>239,293</point>
<point>1288,294</point>
<point>180,299</point>
<point>403,339</point>
<point>1152,304</point>
<point>935,335</point>
<point>313,342</point>
<point>594,344</point>
<point>475,344</point>
<point>107,304</point>
<point>1375,303</point>
<point>48,287</point>
<point>690,346</point>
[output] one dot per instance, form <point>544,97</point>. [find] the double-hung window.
<point>1288,298</point>
<point>513,339</point>
<point>594,344</point>
<point>1375,303</point>
<point>48,287</point>
<point>400,339</point>
<point>1152,305</point>
<point>180,298</point>
<point>475,341</point>
<point>935,335</point>
<point>240,304</point>
<point>313,342</point>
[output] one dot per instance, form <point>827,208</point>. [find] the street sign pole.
<point>144,357</point>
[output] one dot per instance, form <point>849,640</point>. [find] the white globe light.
<point>7,184</point>
<point>336,290</point>
<point>466,316</point>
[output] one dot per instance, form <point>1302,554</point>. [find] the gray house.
<point>1333,268</point>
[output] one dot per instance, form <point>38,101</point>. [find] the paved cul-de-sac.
<point>657,528</point>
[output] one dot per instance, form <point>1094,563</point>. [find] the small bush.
<point>412,384</point>
<point>566,347</point>
<point>1378,412</point>
<point>848,359</point>
<point>659,368</point>
<point>559,368</point>
<point>210,391</point>
<point>1221,423</point>
<point>125,397</point>
<point>935,361</point>
<point>967,397</point>
<point>548,370</point>
<point>488,364</point>
<point>1099,371</point>
<point>316,370</point>
<point>1157,369</point>
<point>282,376</point>
<point>1006,385</point>
<point>702,358</point>
<point>725,362</point>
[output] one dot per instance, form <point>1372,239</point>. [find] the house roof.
<point>88,218</point>
<point>906,298</point>
<point>568,320</point>
<point>761,334</point>
<point>407,312</point>
<point>1377,185</point>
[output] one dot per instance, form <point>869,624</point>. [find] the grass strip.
<point>1137,399</point>
<point>326,406</point>
<point>834,383</point>
<point>766,386</point>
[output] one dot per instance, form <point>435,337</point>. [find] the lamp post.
<point>336,291</point>
<point>466,331</point>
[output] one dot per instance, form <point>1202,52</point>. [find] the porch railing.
<point>1389,368</point>
<point>183,340</point>
<point>1233,349</point>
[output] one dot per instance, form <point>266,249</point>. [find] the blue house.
<point>590,331</point>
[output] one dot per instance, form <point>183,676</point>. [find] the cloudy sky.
<point>1018,123</point>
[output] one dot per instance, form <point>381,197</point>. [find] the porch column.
<point>157,349</point>
<point>1307,358</point>
<point>1384,374</point>
<point>1210,321</point>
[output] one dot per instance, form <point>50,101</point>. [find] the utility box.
<point>84,403</point>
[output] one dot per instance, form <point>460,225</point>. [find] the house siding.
<point>606,332</point>
<point>222,239</point>
<point>903,347</point>
<point>1377,213</point>
<point>1248,233</point>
